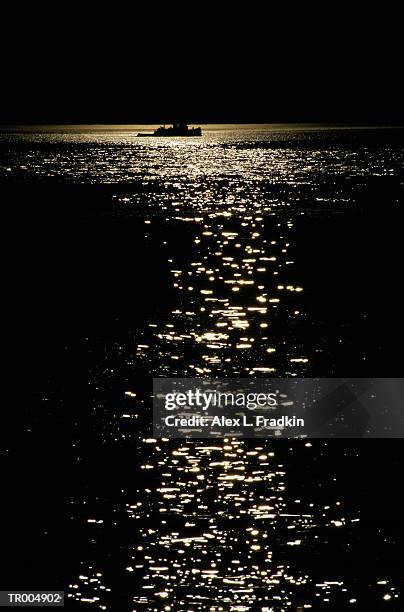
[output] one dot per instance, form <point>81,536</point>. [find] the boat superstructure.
<point>176,129</point>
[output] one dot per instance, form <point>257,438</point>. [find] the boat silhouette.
<point>177,129</point>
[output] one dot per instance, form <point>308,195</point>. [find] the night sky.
<point>111,68</point>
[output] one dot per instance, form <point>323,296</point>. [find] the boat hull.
<point>168,135</point>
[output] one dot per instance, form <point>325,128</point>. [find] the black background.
<point>242,64</point>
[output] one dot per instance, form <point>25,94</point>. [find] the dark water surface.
<point>248,252</point>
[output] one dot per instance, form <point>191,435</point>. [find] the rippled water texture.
<point>230,222</point>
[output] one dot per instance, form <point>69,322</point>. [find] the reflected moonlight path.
<point>239,524</point>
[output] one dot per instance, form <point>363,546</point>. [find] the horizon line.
<point>307,124</point>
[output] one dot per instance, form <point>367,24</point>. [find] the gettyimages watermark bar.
<point>278,407</point>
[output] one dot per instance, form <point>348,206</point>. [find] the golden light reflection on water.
<point>215,527</point>
<point>230,297</point>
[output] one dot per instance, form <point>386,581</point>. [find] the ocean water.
<point>252,251</point>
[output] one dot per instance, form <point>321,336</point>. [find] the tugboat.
<point>177,129</point>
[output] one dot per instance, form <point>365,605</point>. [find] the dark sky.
<point>111,68</point>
